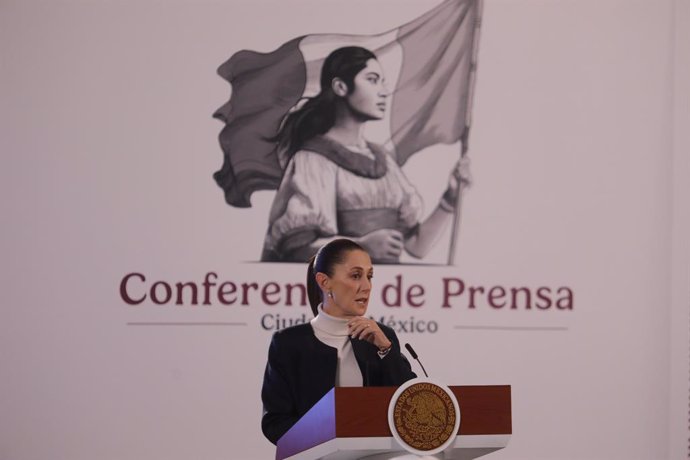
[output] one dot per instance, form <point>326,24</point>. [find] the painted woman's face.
<point>368,99</point>
<point>350,286</point>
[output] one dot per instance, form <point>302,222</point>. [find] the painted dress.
<point>328,190</point>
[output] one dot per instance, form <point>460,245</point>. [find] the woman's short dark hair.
<point>324,261</point>
<point>317,115</point>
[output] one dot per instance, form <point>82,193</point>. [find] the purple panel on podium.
<point>315,428</point>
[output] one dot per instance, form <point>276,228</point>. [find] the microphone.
<point>414,356</point>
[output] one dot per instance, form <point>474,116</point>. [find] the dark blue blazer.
<point>301,370</point>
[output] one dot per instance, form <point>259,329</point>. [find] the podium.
<point>352,423</point>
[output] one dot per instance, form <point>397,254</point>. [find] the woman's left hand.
<point>460,178</point>
<point>461,175</point>
<point>367,329</point>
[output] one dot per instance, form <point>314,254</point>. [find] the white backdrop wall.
<point>679,408</point>
<point>579,159</point>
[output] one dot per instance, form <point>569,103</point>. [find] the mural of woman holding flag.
<point>336,184</point>
<point>298,118</point>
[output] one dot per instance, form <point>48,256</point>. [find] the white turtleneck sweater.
<point>334,332</point>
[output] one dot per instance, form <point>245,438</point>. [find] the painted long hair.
<point>317,115</point>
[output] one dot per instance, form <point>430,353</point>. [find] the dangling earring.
<point>330,294</point>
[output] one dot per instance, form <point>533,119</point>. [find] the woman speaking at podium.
<point>338,347</point>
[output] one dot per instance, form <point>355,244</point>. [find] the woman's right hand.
<point>383,243</point>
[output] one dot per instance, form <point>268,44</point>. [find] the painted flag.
<point>428,65</point>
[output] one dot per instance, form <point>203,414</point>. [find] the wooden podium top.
<point>362,412</point>
<point>484,409</point>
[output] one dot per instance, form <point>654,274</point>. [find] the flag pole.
<point>466,132</point>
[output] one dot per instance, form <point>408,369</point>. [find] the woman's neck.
<point>347,131</point>
<point>335,311</point>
